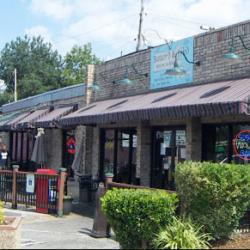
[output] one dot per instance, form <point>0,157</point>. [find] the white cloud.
<point>39,31</point>
<point>111,25</point>
<point>58,9</point>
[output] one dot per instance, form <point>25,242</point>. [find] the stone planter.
<point>10,234</point>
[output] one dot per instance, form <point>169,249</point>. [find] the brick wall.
<point>209,48</point>
<point>115,69</point>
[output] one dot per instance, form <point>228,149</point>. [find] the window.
<point>21,147</point>
<point>226,143</point>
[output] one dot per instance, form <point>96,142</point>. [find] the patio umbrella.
<point>38,153</point>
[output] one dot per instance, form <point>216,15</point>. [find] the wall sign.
<point>162,58</point>
<point>241,145</point>
<point>30,183</point>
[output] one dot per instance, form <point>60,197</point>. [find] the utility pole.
<point>15,85</point>
<point>140,26</point>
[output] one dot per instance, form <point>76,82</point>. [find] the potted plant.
<point>109,172</point>
<point>10,231</point>
<point>67,204</point>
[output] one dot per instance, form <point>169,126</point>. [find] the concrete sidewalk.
<point>41,231</point>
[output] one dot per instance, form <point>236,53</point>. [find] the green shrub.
<point>1,213</point>
<point>182,235</point>
<point>214,195</point>
<point>137,214</point>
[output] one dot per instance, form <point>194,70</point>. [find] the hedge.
<point>213,195</point>
<point>136,215</point>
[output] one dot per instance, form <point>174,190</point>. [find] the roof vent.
<point>214,92</point>
<point>164,97</point>
<point>87,108</point>
<point>117,104</point>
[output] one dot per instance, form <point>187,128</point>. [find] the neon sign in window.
<point>241,145</point>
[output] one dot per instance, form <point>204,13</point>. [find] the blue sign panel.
<point>163,57</point>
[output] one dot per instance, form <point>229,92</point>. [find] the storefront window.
<point>227,143</point>
<point>21,149</point>
<point>241,144</point>
<point>119,154</point>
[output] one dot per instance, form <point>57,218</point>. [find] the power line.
<point>93,30</point>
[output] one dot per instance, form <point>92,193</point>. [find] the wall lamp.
<point>231,55</point>
<point>94,87</point>
<point>177,70</point>
<point>126,80</point>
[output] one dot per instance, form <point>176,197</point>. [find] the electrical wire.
<point>92,30</point>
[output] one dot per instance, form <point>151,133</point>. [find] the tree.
<point>75,63</point>
<point>39,67</point>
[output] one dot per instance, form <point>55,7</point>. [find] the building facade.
<point>143,120</point>
<point>137,119</point>
<point>20,120</point>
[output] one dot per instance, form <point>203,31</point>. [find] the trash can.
<point>45,190</point>
<point>86,184</point>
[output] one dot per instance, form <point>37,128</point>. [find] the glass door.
<point>118,154</point>
<point>169,148</point>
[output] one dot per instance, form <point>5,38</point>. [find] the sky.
<point>111,26</point>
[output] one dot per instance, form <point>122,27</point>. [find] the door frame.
<point>132,130</point>
<point>154,129</point>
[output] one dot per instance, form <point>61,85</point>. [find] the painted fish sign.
<point>241,145</point>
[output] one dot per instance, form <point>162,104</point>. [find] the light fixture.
<point>177,70</point>
<point>95,87</point>
<point>231,55</point>
<point>126,80</point>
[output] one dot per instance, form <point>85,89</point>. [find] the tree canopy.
<point>75,62</point>
<point>40,68</point>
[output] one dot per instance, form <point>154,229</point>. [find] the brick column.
<point>89,81</point>
<point>143,154</point>
<point>54,141</point>
<point>194,139</point>
<point>96,151</point>
<point>87,149</point>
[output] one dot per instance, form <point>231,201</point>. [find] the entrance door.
<point>118,147</point>
<point>69,144</point>
<point>169,148</point>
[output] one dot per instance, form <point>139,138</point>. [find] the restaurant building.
<point>139,115</point>
<point>20,120</point>
<point>149,110</point>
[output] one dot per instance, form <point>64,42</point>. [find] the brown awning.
<point>13,123</point>
<point>50,119</point>
<point>213,99</point>
<point>29,121</point>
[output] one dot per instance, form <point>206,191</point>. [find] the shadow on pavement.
<point>84,209</point>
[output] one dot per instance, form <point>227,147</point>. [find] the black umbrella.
<point>38,154</point>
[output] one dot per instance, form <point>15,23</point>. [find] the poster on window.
<point>167,138</point>
<point>180,137</point>
<point>30,183</point>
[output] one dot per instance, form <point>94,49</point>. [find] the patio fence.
<point>44,192</point>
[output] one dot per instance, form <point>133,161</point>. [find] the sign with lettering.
<point>30,183</point>
<point>163,57</point>
<point>241,145</point>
